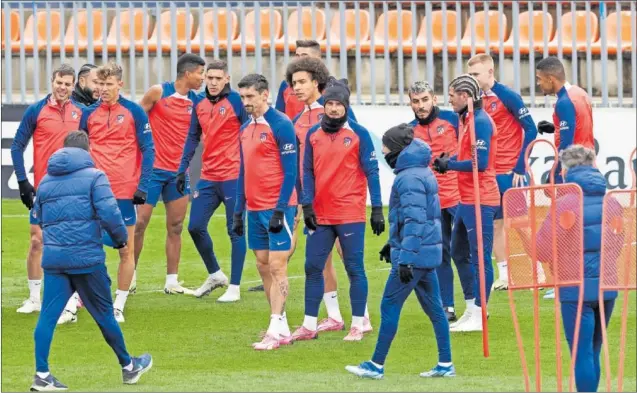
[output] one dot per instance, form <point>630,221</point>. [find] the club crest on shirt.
<point>440,130</point>
<point>493,106</point>
<point>189,109</point>
<point>222,111</point>
<point>195,194</point>
<point>120,119</point>
<point>74,115</point>
<point>263,137</point>
<point>347,141</point>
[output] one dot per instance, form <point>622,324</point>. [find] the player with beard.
<point>86,90</point>
<point>439,129</point>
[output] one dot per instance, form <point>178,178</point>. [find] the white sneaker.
<point>119,315</point>
<point>231,295</point>
<point>471,324</point>
<point>29,306</point>
<point>464,318</point>
<point>550,294</point>
<point>211,284</point>
<point>67,317</point>
<point>500,285</point>
<point>177,289</point>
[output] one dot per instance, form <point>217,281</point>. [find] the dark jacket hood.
<point>416,154</point>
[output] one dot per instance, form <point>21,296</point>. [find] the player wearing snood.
<point>339,165</point>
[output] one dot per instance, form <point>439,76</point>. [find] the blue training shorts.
<point>260,238</point>
<point>129,215</point>
<point>505,181</point>
<point>164,183</point>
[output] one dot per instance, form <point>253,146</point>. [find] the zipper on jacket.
<point>108,121</point>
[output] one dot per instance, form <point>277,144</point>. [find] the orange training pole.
<point>481,267</point>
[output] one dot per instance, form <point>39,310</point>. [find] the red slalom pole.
<point>481,268</point>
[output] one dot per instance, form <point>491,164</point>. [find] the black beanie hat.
<point>337,90</point>
<point>398,137</point>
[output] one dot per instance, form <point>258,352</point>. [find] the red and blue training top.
<point>170,120</point>
<point>573,118</point>
<point>121,144</point>
<point>269,163</point>
<point>218,120</point>
<point>287,102</point>
<point>441,134</point>
<point>487,150</point>
<point>337,170</point>
<point>48,124</point>
<point>307,119</point>
<point>516,129</point>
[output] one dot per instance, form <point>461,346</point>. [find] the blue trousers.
<point>425,284</point>
<point>464,227</point>
<point>318,246</point>
<point>589,346</point>
<point>95,291</point>
<point>206,199</point>
<point>461,257</point>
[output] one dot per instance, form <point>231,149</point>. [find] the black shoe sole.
<point>258,288</point>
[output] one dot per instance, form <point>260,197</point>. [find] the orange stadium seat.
<point>306,28</point>
<point>40,21</point>
<point>350,30</point>
<point>437,37</point>
<point>124,31</point>
<point>82,29</point>
<point>579,30</point>
<point>611,34</point>
<point>166,31</point>
<point>538,34</point>
<point>481,34</point>
<point>14,20</point>
<point>249,30</point>
<point>223,20</point>
<point>393,34</point>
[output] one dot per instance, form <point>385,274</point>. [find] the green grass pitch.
<point>200,345</point>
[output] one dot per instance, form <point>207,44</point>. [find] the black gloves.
<point>406,273</point>
<point>441,164</point>
<point>181,183</point>
<point>121,246</point>
<point>27,193</point>
<point>276,222</point>
<point>377,220</point>
<point>139,198</point>
<point>237,224</point>
<point>309,217</point>
<point>385,253</point>
<point>545,127</point>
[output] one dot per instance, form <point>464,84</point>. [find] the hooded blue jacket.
<point>74,202</point>
<point>593,186</point>
<point>415,234</point>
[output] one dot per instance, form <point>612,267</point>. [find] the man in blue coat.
<point>414,249</point>
<point>578,167</point>
<point>73,204</point>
